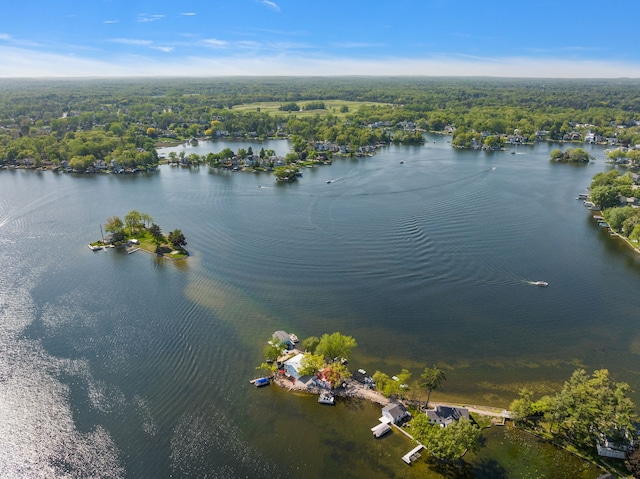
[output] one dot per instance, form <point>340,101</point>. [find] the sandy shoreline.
<point>353,389</point>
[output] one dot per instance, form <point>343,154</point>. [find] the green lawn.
<point>332,106</point>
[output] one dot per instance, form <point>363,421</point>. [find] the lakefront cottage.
<point>293,366</point>
<point>445,415</point>
<point>395,413</point>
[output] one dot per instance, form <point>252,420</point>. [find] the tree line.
<point>65,120</point>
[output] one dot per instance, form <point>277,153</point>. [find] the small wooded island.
<point>139,232</point>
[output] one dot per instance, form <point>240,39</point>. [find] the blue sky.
<point>586,39</point>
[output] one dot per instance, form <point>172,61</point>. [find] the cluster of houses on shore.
<point>395,413</point>
<point>98,166</point>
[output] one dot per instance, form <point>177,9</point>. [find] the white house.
<point>292,366</point>
<point>395,413</point>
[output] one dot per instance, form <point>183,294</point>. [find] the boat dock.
<point>413,455</point>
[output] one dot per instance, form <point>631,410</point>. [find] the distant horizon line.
<point>399,76</point>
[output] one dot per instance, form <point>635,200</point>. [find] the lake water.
<point>123,365</point>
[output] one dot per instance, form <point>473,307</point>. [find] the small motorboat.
<point>542,284</point>
<point>260,382</point>
<point>327,398</point>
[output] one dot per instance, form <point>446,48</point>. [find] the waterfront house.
<point>445,415</point>
<point>572,136</point>
<point>607,448</point>
<point>284,338</point>
<point>293,366</point>
<point>592,138</point>
<point>395,413</point>
<point>541,135</point>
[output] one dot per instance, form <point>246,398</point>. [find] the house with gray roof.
<point>395,413</point>
<point>445,415</point>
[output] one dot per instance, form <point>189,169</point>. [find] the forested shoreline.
<point>104,124</point>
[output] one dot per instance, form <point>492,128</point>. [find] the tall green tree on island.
<point>335,345</point>
<point>133,220</point>
<point>176,238</point>
<point>114,225</point>
<point>156,232</point>
<point>431,379</point>
<point>310,344</point>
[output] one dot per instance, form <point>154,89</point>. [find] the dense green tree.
<point>335,345</point>
<point>522,408</point>
<point>385,384</point>
<point>177,239</point>
<point>155,231</point>
<point>146,219</point>
<point>292,106</point>
<point>311,364</point>
<point>133,220</point>
<point>285,173</point>
<point>446,443</point>
<point>114,224</point>
<point>81,162</point>
<point>590,408</point>
<point>605,196</point>
<point>431,380</point>
<point>310,344</point>
<point>273,350</point>
<point>556,154</point>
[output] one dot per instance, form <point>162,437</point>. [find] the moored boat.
<point>381,429</point>
<point>327,398</point>
<point>261,382</point>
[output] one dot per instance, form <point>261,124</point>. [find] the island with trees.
<point>570,155</point>
<point>138,232</point>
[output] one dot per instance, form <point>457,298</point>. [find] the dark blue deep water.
<point>116,365</point>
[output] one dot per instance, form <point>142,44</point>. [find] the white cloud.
<point>144,18</point>
<point>358,45</point>
<point>5,36</point>
<point>188,14</point>
<point>271,5</point>
<point>214,42</point>
<point>108,22</point>
<point>163,49</point>
<point>131,41</point>
<point>23,62</point>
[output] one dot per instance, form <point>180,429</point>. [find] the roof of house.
<point>282,336</point>
<point>445,415</point>
<point>395,410</point>
<point>295,362</point>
